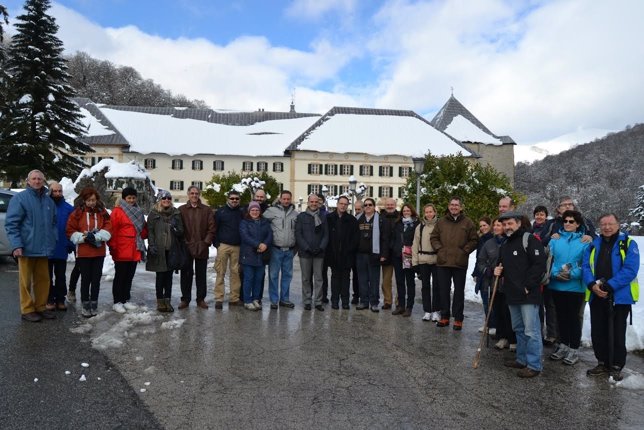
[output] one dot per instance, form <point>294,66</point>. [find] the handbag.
<point>178,253</point>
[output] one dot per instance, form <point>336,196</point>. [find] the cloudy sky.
<point>532,69</point>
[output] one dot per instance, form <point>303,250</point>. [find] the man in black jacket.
<point>341,251</point>
<point>522,270</point>
<point>228,241</point>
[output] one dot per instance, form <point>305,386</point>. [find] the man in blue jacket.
<point>58,260</point>
<point>31,229</point>
<point>610,268</point>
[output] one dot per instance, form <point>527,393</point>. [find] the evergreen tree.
<point>479,186</point>
<point>638,211</point>
<point>40,125</point>
<point>4,18</point>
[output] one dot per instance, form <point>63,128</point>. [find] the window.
<point>198,184</point>
<point>218,165</point>
<point>315,169</point>
<point>177,164</point>
<point>197,165</point>
<point>385,191</point>
<point>369,192</point>
<point>333,190</point>
<point>95,160</point>
<point>331,169</point>
<point>366,170</point>
<point>247,166</point>
<point>343,189</point>
<point>150,163</point>
<point>404,171</point>
<point>176,185</point>
<point>262,166</point>
<point>346,169</point>
<point>385,171</point>
<point>313,189</point>
<point>278,166</point>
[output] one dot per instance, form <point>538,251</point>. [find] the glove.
<point>153,250</point>
<point>90,239</point>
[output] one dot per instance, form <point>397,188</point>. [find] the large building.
<point>303,151</point>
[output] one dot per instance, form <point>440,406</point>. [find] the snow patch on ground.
<point>169,325</point>
<point>117,334</point>
<point>633,382</point>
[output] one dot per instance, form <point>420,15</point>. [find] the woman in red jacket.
<point>126,247</point>
<point>88,227</point>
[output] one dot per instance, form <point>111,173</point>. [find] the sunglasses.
<point>367,204</point>
<point>233,198</point>
<point>166,198</point>
<point>570,221</point>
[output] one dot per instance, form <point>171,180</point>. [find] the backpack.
<point>545,279</point>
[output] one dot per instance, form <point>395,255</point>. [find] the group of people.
<point>367,247</point>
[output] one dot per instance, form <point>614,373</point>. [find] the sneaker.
<point>436,316</point>
<point>527,373</point>
<point>458,325</point>
<point>307,307</point>
<point>572,357</point>
<point>560,353</point>
<point>598,370</point>
<point>118,308</point>
<point>257,304</point>
<point>362,307</point>
<point>71,296</point>
<point>427,316</point>
<point>250,306</point>
<point>130,306</point>
<point>512,347</point>
<point>502,344</point>
<point>443,323</point>
<point>375,308</point>
<point>274,306</point>
<point>287,304</point>
<point>86,311</point>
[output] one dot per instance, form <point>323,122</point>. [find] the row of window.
<point>347,170</point>
<point>217,165</point>
<point>335,190</point>
<point>180,185</point>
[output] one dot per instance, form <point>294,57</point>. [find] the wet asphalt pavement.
<point>285,368</point>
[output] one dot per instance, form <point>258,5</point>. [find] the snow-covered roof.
<point>115,170</point>
<point>376,131</point>
<point>93,126</point>
<point>460,124</point>
<point>150,133</point>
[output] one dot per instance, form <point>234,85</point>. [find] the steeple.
<point>292,102</point>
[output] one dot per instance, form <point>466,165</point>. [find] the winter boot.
<point>94,308</point>
<point>161,305</point>
<point>168,305</point>
<point>86,311</point>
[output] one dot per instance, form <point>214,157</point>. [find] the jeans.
<point>57,282</point>
<point>405,284</point>
<point>527,326</point>
<point>253,277</point>
<point>369,280</point>
<point>280,261</point>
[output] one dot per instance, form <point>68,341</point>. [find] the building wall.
<point>501,157</point>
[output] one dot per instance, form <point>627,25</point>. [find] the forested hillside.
<point>602,176</point>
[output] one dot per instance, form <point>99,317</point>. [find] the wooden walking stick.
<point>477,357</point>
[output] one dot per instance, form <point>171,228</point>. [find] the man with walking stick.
<point>521,269</point>
<point>609,269</point>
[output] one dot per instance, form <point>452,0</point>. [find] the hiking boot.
<point>443,322</point>
<point>527,373</point>
<point>31,317</point>
<point>407,313</point>
<point>287,304</point>
<point>345,306</point>
<point>514,364</point>
<point>161,306</point>
<point>386,306</point>
<point>335,306</point>
<point>398,311</point>
<point>48,315</point>
<point>202,304</point>
<point>71,296</point>
<point>502,344</point>
<point>219,305</point>
<point>183,304</point>
<point>560,353</point>
<point>319,308</point>
<point>598,370</point>
<point>616,374</point>
<point>458,325</point>
<point>427,316</point>
<point>168,305</point>
<point>572,357</point>
<point>307,307</point>
<point>93,306</point>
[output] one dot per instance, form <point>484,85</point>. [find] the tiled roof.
<point>454,108</point>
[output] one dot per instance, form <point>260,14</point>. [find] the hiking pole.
<point>477,357</point>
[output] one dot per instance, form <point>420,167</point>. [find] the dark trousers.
<point>503,318</point>
<point>325,282</point>
<point>447,275</point>
<point>369,280</point>
<point>122,283</point>
<point>163,284</point>
<point>548,314</point>
<point>74,277</point>
<point>567,306</point>
<point>405,284</point>
<point>91,270</point>
<point>340,285</point>
<point>429,290</point>
<point>195,267</point>
<point>355,281</point>
<point>599,314</point>
<point>57,282</point>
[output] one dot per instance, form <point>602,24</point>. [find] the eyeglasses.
<point>367,204</point>
<point>166,198</point>
<point>233,198</point>
<point>570,221</point>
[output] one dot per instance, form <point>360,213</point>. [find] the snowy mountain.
<point>538,151</point>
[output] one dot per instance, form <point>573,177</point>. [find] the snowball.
<point>82,378</point>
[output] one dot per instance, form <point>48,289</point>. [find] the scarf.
<point>315,215</point>
<point>407,223</point>
<point>375,233</point>
<point>135,214</point>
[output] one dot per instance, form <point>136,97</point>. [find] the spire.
<point>292,102</point>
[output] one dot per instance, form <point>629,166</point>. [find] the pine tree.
<point>40,125</point>
<point>638,211</point>
<point>4,18</point>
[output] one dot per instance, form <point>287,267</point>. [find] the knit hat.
<point>253,205</point>
<point>128,191</point>
<point>164,193</point>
